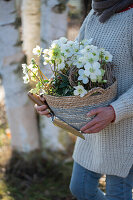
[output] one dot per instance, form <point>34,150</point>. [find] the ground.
<point>37,179</point>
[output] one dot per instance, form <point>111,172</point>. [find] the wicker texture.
<point>94,96</point>
<point>73,109</point>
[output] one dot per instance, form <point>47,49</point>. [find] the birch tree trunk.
<point>31,37</point>
<point>30,26</point>
<point>20,111</point>
<point>53,20</point>
<point>53,26</point>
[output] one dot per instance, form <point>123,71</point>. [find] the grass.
<point>33,179</point>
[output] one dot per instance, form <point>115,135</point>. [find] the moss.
<point>35,178</point>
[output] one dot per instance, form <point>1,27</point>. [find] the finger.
<point>49,115</point>
<point>41,108</point>
<point>94,111</point>
<point>96,131</point>
<point>42,98</point>
<point>90,124</point>
<point>46,112</point>
<point>36,107</point>
<point>94,128</point>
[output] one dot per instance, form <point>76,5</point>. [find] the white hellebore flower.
<point>93,71</point>
<point>82,59</point>
<point>54,42</point>
<point>91,53</point>
<point>105,55</point>
<point>108,56</point>
<point>76,46</point>
<point>26,79</point>
<point>70,43</point>
<point>79,90</point>
<point>68,52</point>
<point>86,42</point>
<point>25,68</point>
<point>93,57</point>
<point>53,46</point>
<point>63,40</point>
<point>82,76</point>
<point>37,51</point>
<point>59,42</point>
<point>46,60</point>
<point>33,68</point>
<point>30,66</point>
<point>78,64</point>
<point>46,51</point>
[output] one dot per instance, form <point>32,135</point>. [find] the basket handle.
<point>94,90</point>
<point>35,98</point>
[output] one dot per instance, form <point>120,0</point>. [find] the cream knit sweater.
<point>111,150</point>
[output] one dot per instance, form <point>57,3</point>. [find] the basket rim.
<point>93,89</point>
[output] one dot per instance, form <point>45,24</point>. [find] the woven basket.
<point>73,109</point>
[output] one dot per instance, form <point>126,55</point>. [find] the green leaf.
<point>103,72</point>
<point>104,81</point>
<point>45,81</point>
<point>63,85</point>
<point>34,91</point>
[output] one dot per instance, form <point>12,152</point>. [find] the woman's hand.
<point>104,116</point>
<point>43,110</point>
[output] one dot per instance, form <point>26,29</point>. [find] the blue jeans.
<point>84,185</point>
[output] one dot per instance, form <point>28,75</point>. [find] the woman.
<point>108,148</point>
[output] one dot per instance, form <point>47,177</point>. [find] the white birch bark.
<point>20,111</point>
<point>53,26</point>
<point>53,21</point>
<point>30,26</point>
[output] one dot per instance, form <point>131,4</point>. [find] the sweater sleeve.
<point>81,34</point>
<point>123,106</point>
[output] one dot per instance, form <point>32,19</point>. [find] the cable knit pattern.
<point>111,150</point>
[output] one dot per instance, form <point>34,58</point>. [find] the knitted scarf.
<point>106,8</point>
